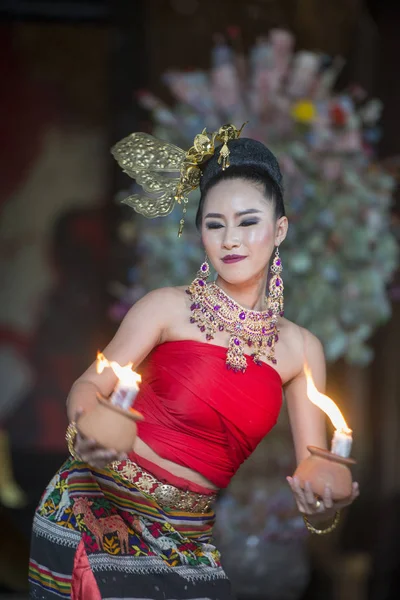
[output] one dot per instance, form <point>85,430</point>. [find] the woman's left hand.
<point>319,509</point>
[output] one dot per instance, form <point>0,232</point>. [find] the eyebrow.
<point>249,211</point>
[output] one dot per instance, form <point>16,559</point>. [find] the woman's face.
<point>239,230</point>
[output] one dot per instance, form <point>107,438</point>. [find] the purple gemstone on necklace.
<point>204,268</point>
<point>249,343</point>
<point>270,312</point>
<point>276,337</point>
<point>201,282</point>
<point>264,330</point>
<point>193,306</point>
<point>202,328</point>
<point>236,342</point>
<point>242,316</point>
<point>221,327</point>
<point>217,307</point>
<point>192,320</point>
<point>209,336</point>
<point>278,262</point>
<point>281,313</point>
<point>269,342</point>
<point>278,282</point>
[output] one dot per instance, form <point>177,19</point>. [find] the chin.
<point>240,275</point>
<point>236,277</point>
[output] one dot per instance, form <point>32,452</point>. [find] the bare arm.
<point>140,331</point>
<point>308,429</point>
<point>307,421</point>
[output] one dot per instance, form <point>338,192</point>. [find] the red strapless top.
<point>201,415</point>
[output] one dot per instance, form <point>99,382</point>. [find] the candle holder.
<point>326,468</point>
<point>110,426</point>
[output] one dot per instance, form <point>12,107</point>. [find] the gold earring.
<point>204,271</point>
<point>275,296</point>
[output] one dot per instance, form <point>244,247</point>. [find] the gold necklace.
<point>213,310</point>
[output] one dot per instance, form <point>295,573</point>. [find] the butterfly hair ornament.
<point>167,173</point>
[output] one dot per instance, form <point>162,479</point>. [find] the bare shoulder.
<point>160,306</point>
<point>145,325</point>
<point>298,337</point>
<point>159,300</point>
<point>299,346</point>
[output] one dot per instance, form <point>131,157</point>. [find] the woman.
<point>213,368</point>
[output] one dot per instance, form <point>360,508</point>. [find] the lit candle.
<point>127,387</point>
<point>341,443</point>
<point>342,438</point>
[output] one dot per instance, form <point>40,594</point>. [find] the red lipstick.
<point>232,258</point>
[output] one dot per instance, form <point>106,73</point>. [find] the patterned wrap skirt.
<point>97,535</point>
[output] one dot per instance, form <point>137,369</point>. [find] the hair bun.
<point>244,152</point>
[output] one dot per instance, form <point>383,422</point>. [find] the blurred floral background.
<point>341,250</point>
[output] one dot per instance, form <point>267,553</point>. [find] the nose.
<point>231,239</point>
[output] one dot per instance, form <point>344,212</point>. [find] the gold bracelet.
<point>329,529</point>
<point>70,437</point>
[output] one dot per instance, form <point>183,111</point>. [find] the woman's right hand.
<point>91,452</point>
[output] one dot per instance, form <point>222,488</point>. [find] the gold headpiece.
<point>167,172</point>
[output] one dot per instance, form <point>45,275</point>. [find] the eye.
<point>249,222</point>
<point>213,225</point>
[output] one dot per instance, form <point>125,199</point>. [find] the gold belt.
<point>166,495</point>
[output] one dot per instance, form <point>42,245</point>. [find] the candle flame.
<point>326,404</point>
<point>101,363</point>
<point>125,374</point>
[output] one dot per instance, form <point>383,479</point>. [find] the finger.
<point>301,500</point>
<point>315,503</point>
<point>107,455</point>
<point>98,460</point>
<point>79,412</point>
<point>299,504</point>
<point>85,445</point>
<point>354,494</point>
<point>303,508</point>
<point>309,494</point>
<point>299,490</point>
<point>327,497</point>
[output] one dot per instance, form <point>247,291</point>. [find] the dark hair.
<point>248,173</point>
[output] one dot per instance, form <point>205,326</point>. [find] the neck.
<point>250,294</point>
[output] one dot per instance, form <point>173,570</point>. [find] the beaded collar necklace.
<point>213,310</point>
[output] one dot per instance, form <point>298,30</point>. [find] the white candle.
<point>341,443</point>
<point>124,395</point>
<point>127,387</point>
